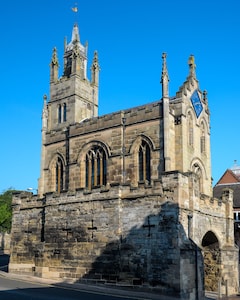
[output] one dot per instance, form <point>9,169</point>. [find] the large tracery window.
<point>59,175</point>
<point>144,162</point>
<point>96,167</point>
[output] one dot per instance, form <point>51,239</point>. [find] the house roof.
<point>228,177</point>
<point>230,180</point>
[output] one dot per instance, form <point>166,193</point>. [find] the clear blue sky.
<point>130,36</point>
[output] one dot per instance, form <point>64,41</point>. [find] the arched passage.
<point>212,261</point>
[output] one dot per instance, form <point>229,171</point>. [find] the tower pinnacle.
<point>192,66</point>
<point>164,77</point>
<point>95,69</point>
<point>54,65</point>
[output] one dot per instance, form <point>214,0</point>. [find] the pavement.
<point>134,293</point>
<point>138,293</point>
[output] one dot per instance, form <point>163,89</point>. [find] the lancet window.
<point>96,167</point>
<point>59,175</point>
<point>144,162</point>
<point>59,114</point>
<point>62,113</point>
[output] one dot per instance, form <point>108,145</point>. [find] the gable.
<point>228,177</point>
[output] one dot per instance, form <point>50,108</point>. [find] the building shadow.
<point>4,261</point>
<point>156,254</point>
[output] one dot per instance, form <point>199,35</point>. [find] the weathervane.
<point>75,10</point>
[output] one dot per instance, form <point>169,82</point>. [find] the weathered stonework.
<point>152,221</point>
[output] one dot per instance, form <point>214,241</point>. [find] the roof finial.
<point>192,66</point>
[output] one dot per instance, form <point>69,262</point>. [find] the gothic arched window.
<point>144,162</point>
<point>59,175</point>
<point>202,139</point>
<point>96,167</point>
<point>190,129</point>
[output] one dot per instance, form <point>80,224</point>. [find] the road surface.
<point>12,289</point>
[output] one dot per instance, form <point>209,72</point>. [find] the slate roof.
<point>217,192</point>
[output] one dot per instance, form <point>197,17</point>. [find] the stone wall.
<point>149,235</point>
<point>122,235</point>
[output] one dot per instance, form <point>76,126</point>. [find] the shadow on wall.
<point>4,261</point>
<point>2,241</point>
<point>157,253</point>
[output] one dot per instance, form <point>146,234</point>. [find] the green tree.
<point>6,210</point>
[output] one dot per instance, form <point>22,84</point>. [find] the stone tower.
<point>186,127</point>
<point>73,97</point>
<point>125,197</point>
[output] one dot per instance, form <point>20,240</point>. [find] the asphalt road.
<point>24,288</point>
<point>17,289</point>
<point>12,289</point>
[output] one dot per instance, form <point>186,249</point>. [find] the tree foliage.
<point>6,210</point>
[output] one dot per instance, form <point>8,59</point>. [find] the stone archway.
<point>212,261</point>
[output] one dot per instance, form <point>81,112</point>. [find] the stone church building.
<point>125,197</point>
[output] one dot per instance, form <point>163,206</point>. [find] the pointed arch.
<point>141,150</point>
<point>95,167</point>
<point>59,175</point>
<point>136,143</point>
<point>197,163</point>
<point>57,169</point>
<point>92,160</point>
<point>197,168</point>
<point>212,260</point>
<point>209,238</point>
<point>144,162</point>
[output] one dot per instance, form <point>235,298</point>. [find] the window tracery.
<point>96,167</point>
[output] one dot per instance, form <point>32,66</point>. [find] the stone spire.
<point>164,77</point>
<point>75,56</point>
<point>75,35</point>
<point>54,65</point>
